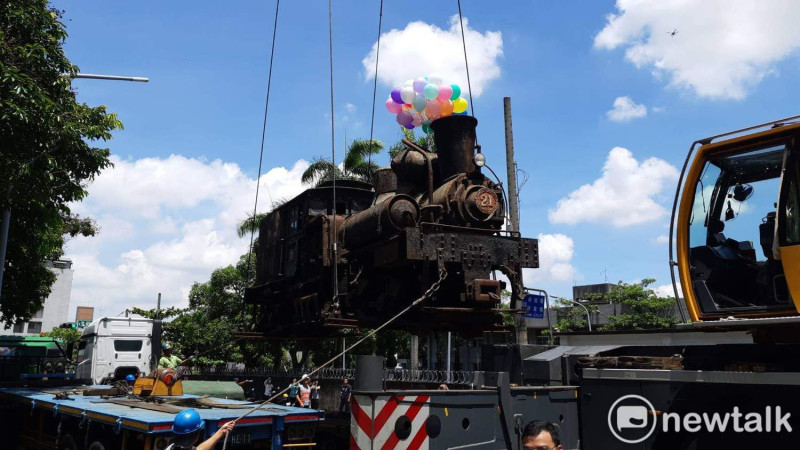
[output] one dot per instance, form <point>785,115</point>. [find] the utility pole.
<point>511,167</point>
<point>513,210</point>
<point>158,307</point>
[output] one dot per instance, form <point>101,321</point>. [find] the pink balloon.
<point>445,91</point>
<point>393,107</point>
<point>433,108</point>
<point>417,120</point>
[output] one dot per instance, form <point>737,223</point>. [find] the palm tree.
<point>421,141</point>
<point>250,224</point>
<point>356,166</point>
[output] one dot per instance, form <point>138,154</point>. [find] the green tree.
<point>356,164</point>
<point>642,307</point>
<point>570,317</point>
<point>66,335</point>
<point>47,152</point>
<point>250,224</point>
<point>424,141</point>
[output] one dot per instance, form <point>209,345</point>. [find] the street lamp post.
<point>94,76</point>
<point>6,215</point>
<point>588,316</point>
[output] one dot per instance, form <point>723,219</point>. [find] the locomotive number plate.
<point>486,201</point>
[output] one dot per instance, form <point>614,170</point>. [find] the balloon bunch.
<point>419,102</point>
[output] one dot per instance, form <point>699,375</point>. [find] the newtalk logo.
<point>632,419</point>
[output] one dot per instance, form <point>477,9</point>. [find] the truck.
<point>727,378</point>
<point>112,347</point>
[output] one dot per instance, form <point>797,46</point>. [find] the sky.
<point>606,101</point>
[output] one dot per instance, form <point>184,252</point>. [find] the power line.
<point>333,162</point>
<point>466,63</point>
<point>375,85</point>
<point>263,136</point>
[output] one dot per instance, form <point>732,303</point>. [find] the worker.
<point>541,435</point>
<point>304,392</point>
<point>267,388</point>
<point>293,388</point>
<point>188,427</point>
<point>344,402</point>
<point>315,395</point>
<point>168,360</point>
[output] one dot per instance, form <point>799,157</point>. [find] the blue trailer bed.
<point>127,415</point>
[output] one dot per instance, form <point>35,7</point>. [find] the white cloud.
<point>661,239</point>
<point>722,49</point>
<point>623,195</point>
<point>555,260</point>
<point>625,110</point>
<point>165,224</point>
<point>665,290</point>
<point>349,107</point>
<point>421,49</point>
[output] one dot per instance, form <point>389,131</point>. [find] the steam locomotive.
<point>356,254</point>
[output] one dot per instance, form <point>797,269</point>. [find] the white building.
<point>56,306</point>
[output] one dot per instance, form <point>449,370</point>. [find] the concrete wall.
<point>56,306</point>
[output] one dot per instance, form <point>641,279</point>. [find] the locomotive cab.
<point>738,230</point>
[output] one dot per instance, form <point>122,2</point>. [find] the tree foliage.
<point>47,152</point>
<point>356,166</point>
<point>642,307</point>
<point>424,141</point>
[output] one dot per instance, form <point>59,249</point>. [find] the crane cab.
<point>738,225</point>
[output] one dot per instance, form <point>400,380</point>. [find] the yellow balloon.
<point>460,105</point>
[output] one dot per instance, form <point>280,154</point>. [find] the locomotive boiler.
<point>356,254</point>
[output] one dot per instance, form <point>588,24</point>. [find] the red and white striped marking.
<point>373,421</point>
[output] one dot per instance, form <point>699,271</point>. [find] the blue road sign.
<point>535,305</point>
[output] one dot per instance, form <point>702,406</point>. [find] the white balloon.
<point>407,94</point>
<point>435,79</point>
<point>408,83</point>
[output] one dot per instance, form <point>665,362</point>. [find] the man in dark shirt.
<point>347,392</point>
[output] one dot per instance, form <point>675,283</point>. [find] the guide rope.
<point>425,296</point>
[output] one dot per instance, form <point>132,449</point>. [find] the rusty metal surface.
<point>379,221</point>
<point>455,144</point>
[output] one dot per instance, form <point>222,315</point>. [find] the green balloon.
<point>456,91</point>
<point>426,128</point>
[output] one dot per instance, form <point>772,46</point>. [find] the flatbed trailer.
<point>46,418</point>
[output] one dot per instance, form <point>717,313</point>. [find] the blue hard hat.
<point>130,378</point>
<point>165,345</point>
<point>186,422</point>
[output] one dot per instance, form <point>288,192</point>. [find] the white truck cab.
<point>112,347</point>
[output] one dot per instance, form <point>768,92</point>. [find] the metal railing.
<point>404,375</point>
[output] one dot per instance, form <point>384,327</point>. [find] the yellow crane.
<point>738,225</point>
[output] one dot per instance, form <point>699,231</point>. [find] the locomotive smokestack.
<point>455,144</point>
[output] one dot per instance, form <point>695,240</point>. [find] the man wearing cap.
<point>188,427</point>
<point>168,360</point>
<point>304,393</point>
